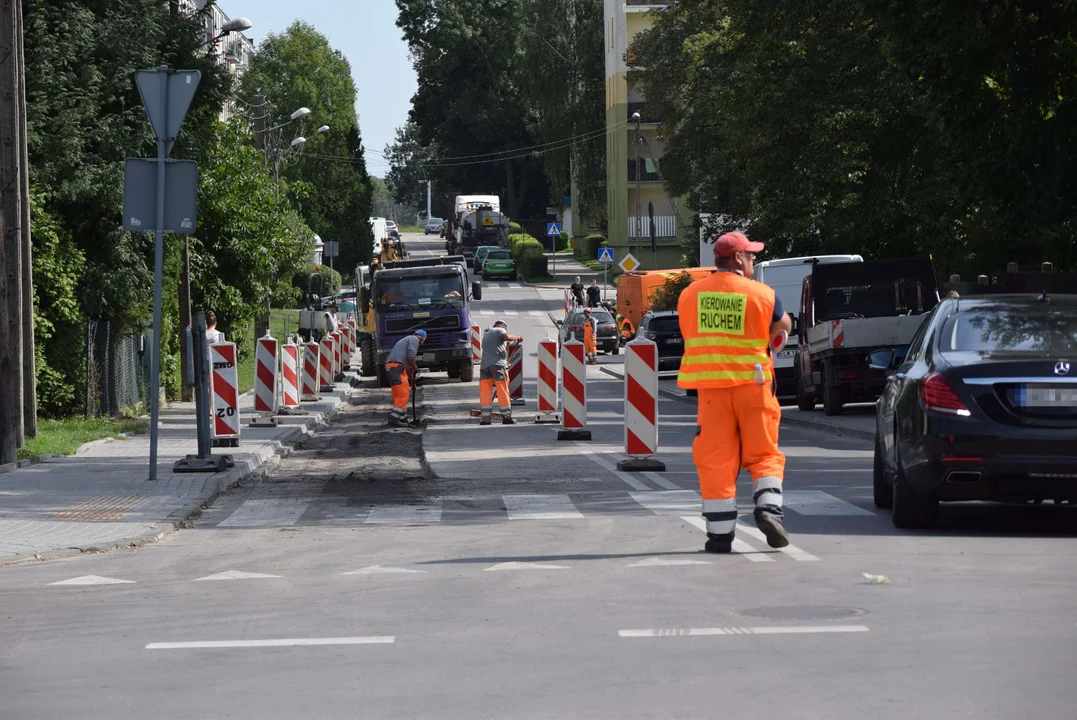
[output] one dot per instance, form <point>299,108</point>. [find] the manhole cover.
<point>803,612</point>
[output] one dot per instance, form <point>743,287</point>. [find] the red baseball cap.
<point>731,243</point>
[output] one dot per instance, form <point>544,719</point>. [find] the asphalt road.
<point>501,573</point>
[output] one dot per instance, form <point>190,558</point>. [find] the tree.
<point>470,104</point>
<point>891,129</point>
<point>299,68</point>
<point>409,165</point>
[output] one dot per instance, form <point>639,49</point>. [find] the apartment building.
<point>234,49</point>
<point>633,170</point>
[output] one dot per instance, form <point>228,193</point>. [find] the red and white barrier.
<point>224,394</point>
<point>547,382</point>
<point>641,407</point>
<point>569,302</point>
<point>289,373</point>
<point>325,363</point>
<point>265,383</point>
<point>353,339</point>
<point>573,393</point>
<point>516,373</point>
<point>338,366</point>
<point>476,343</point>
<point>310,386</point>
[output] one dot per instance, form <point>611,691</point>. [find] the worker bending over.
<point>401,369</point>
<point>494,373</point>
<point>590,337</point>
<point>729,323</point>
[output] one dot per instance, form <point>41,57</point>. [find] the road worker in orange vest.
<point>730,324</point>
<point>590,337</point>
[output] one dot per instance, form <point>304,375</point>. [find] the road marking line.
<point>524,566</point>
<point>275,512</point>
<point>663,562</point>
<point>287,642</point>
<point>237,575</point>
<point>817,502</point>
<point>535,313</point>
<point>659,480</point>
<point>711,631</point>
<point>540,507</point>
<point>404,514</point>
<point>628,479</point>
<point>93,580</point>
<point>739,546</point>
<point>514,286</point>
<point>791,550</point>
<point>379,570</point>
<point>669,502</point>
<point>485,312</point>
<point>510,313</point>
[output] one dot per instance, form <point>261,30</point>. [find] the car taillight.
<point>650,335</point>
<point>609,327</point>
<point>936,395</point>
<point>513,263</point>
<point>485,263</point>
<point>575,328</point>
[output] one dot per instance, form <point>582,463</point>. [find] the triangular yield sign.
<point>525,566</point>
<point>379,570</point>
<point>660,562</point>
<point>93,580</point>
<point>237,575</point>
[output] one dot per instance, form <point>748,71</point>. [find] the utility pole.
<point>639,208</point>
<point>11,352</point>
<point>427,201</point>
<point>29,363</point>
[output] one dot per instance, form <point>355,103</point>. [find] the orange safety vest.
<point>725,320</point>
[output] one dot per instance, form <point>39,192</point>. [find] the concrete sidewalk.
<point>857,421</point>
<point>101,497</point>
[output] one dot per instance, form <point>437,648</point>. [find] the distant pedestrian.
<point>494,373</point>
<point>213,335</point>
<point>594,294</point>
<point>577,291</point>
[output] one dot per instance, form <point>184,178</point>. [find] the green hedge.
<point>587,248</point>
<point>563,241</point>
<point>515,228</point>
<point>529,255</point>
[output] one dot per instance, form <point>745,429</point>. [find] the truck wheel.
<point>467,371</point>
<point>805,402</point>
<point>911,510</point>
<point>832,401</point>
<point>366,354</point>
<point>883,493</point>
<point>383,377</point>
<point>454,371</point>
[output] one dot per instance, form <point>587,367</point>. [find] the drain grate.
<point>100,509</point>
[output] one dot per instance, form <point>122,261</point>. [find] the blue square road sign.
<point>605,255</point>
<point>553,229</point>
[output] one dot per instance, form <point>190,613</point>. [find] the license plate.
<point>787,353</point>
<point>1040,396</point>
<point>675,341</point>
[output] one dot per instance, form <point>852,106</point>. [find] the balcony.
<point>644,116</point>
<point>665,226</point>
<point>646,174</point>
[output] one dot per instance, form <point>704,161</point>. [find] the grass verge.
<point>66,436</point>
<point>412,229</point>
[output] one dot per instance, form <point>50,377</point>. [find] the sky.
<point>366,32</point>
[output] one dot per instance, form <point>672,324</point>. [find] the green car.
<point>480,255</point>
<point>498,263</point>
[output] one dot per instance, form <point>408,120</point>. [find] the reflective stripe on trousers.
<point>767,494</point>
<point>721,516</point>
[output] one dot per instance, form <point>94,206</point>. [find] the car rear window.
<point>498,255</point>
<point>664,324</point>
<point>1032,330</point>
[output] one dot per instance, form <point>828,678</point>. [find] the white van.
<point>381,233</point>
<point>786,276</point>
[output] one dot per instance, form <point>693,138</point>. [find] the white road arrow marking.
<point>93,580</point>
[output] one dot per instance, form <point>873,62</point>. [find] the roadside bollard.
<point>641,407</point>
<point>224,389</point>
<point>574,393</point>
<point>516,373</point>
<point>547,382</point>
<point>265,383</point>
<point>289,372</point>
<point>476,344</point>
<point>310,372</point>
<point>325,364</point>
<point>338,340</point>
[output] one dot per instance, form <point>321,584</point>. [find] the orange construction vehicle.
<point>634,290</point>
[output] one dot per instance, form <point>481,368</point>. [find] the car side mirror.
<point>364,298</point>
<point>559,323</point>
<point>476,291</point>
<point>881,359</point>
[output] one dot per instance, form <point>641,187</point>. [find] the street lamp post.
<point>639,209</point>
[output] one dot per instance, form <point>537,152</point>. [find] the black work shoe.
<point>508,421</point>
<point>394,422</point>
<point>484,421</point>
<point>719,545</point>
<point>771,526</point>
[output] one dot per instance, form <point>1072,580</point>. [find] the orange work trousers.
<point>737,427</point>
<point>398,381</point>
<point>487,387</point>
<point>590,342</point>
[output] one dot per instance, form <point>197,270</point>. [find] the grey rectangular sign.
<point>331,249</point>
<point>140,195</point>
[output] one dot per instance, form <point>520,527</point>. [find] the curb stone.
<point>262,460</point>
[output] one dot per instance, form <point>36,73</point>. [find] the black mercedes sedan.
<point>982,405</point>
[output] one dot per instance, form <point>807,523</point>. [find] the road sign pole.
<point>158,269</point>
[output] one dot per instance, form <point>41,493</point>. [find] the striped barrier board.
<point>310,386</point>
<point>516,373</point>
<point>476,344</point>
<point>547,383</point>
<point>641,407</point>
<point>224,394</point>
<point>289,373</point>
<point>338,348</point>
<point>325,364</point>
<point>266,374</point>
<point>574,393</point>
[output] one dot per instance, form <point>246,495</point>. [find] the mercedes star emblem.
<point>1062,368</point>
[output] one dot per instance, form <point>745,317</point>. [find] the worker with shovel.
<point>402,371</point>
<point>494,373</point>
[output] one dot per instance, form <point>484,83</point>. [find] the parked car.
<point>981,405</point>
<point>433,226</point>
<point>480,255</point>
<point>498,263</point>
<point>608,340</point>
<point>394,231</point>
<point>664,328</point>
